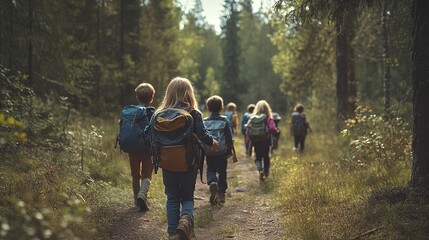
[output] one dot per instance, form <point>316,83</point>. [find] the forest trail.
<point>245,215</point>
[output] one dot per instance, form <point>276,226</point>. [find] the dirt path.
<point>245,215</point>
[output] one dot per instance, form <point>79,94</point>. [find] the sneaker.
<point>185,227</point>
<point>213,193</point>
<point>142,204</point>
<point>222,197</point>
<point>261,176</point>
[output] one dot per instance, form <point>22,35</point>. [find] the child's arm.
<point>272,126</point>
<point>201,131</point>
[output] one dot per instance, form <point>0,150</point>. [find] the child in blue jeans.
<point>180,185</point>
<point>217,161</point>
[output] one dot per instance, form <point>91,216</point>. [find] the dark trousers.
<point>216,172</point>
<point>299,142</point>
<point>262,154</point>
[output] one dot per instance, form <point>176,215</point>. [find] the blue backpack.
<point>298,124</point>
<point>230,116</point>
<point>216,128</point>
<point>134,119</point>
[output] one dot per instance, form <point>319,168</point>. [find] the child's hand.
<point>215,145</point>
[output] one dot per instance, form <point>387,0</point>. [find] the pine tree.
<point>231,52</point>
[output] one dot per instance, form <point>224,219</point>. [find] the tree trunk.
<point>386,59</point>
<point>346,83</point>
<point>122,52</point>
<point>30,43</point>
<point>11,26</point>
<point>30,53</point>
<point>420,80</point>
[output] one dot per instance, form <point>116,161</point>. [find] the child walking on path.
<point>217,161</point>
<point>179,183</point>
<point>140,161</point>
<point>232,115</point>
<point>299,127</point>
<point>244,120</point>
<point>262,144</point>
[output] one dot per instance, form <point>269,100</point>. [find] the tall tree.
<point>191,41</point>
<point>343,15</point>
<point>257,50</point>
<point>159,36</point>
<point>210,63</point>
<point>306,62</point>
<point>386,64</point>
<point>420,79</point>
<point>231,52</point>
<point>346,81</point>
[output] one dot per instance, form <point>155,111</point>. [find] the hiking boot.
<point>136,189</point>
<point>261,176</point>
<point>266,173</point>
<point>142,195</point>
<point>142,205</point>
<point>213,193</point>
<point>173,236</point>
<point>186,227</point>
<point>222,197</point>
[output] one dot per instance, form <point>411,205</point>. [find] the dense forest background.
<point>81,50</point>
<point>67,68</point>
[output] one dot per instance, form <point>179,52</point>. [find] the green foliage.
<point>373,139</point>
<point>306,62</point>
<point>256,69</point>
<point>24,222</point>
<point>57,179</point>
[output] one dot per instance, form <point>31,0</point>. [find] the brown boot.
<point>173,236</point>
<point>186,227</point>
<point>222,197</point>
<point>213,193</point>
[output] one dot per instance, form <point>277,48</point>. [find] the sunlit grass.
<point>322,194</point>
<point>203,217</point>
<point>227,230</point>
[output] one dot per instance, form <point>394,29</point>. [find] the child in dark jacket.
<point>217,162</point>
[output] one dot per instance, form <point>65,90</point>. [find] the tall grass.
<point>324,191</point>
<point>71,184</point>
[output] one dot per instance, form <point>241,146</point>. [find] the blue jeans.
<point>215,166</point>
<point>179,188</point>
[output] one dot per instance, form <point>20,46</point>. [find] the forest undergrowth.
<point>353,186</point>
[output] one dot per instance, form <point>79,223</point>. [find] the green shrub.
<point>372,138</point>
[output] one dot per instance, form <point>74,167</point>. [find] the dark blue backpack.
<point>216,128</point>
<point>298,124</point>
<point>134,119</point>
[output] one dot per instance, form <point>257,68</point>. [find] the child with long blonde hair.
<point>180,185</point>
<point>262,147</point>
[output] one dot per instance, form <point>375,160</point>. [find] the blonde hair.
<point>179,90</point>
<point>263,107</point>
<point>231,106</point>
<point>144,93</point>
